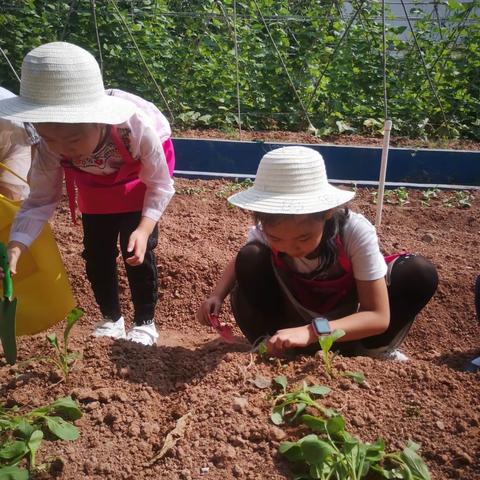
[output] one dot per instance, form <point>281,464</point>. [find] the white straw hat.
<point>291,180</point>
<point>62,83</point>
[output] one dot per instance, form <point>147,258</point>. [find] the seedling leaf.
<point>291,450</point>
<point>71,320</point>
<point>62,429</point>
<point>315,423</point>
<point>13,473</point>
<point>67,408</point>
<point>34,444</point>
<point>314,450</point>
<point>414,462</point>
<point>24,429</point>
<point>336,334</point>
<point>357,377</point>
<point>319,390</point>
<point>53,340</point>
<point>282,381</point>
<point>13,449</point>
<point>276,418</point>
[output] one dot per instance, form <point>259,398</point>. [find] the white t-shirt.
<point>360,242</point>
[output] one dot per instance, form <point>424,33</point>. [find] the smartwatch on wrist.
<point>321,326</point>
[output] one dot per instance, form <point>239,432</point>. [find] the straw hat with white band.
<point>62,83</point>
<point>291,180</point>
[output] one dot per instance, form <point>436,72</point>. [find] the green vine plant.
<point>326,343</point>
<point>332,453</point>
<point>21,435</point>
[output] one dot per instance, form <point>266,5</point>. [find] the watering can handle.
<point>7,278</point>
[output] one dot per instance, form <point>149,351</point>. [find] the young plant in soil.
<point>335,454</point>
<point>427,196</point>
<point>64,358</point>
<point>326,343</point>
<point>22,434</point>
<point>459,199</point>
<point>402,196</point>
<point>289,405</point>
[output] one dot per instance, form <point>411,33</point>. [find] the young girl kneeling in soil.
<point>311,266</point>
<point>116,156</point>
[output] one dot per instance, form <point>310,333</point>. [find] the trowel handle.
<point>7,278</point>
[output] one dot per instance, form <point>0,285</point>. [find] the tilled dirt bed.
<point>132,396</point>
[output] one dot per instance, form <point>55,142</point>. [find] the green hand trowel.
<point>8,307</point>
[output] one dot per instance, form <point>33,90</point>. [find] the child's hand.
<point>137,243</point>
<point>290,338</point>
<point>14,250</point>
<point>210,306</point>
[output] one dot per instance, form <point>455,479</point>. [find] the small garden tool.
<point>8,307</point>
<point>223,330</point>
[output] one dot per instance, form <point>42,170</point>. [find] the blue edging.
<point>344,163</point>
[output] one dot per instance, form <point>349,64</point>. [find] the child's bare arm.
<point>137,243</point>
<point>372,319</point>
<point>223,287</point>
<point>374,315</point>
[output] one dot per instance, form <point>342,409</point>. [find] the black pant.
<point>260,307</point>
<point>100,238</point>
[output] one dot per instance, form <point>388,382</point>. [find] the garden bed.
<point>133,396</point>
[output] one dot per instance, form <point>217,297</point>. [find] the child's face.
<point>74,141</point>
<point>297,237</point>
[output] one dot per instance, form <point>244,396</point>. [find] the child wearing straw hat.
<point>114,157</point>
<point>310,266</point>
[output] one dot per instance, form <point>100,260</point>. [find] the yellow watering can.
<point>41,285</point>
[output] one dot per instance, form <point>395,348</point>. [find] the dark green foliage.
<point>189,47</point>
<point>22,433</point>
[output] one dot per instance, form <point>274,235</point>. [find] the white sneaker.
<point>107,328</point>
<point>144,334</point>
<point>395,355</point>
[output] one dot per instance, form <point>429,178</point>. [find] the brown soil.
<point>132,396</point>
<point>345,139</point>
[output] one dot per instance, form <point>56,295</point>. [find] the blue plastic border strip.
<point>200,158</point>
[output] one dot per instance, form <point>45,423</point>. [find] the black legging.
<point>100,237</point>
<point>260,307</point>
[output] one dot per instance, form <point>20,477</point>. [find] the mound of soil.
<point>133,396</point>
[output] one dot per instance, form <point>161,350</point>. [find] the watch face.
<point>321,326</point>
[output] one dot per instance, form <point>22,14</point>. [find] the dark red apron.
<point>323,295</point>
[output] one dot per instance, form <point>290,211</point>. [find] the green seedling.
<point>64,358</point>
<point>22,434</point>
<point>463,199</point>
<point>459,199</point>
<point>332,453</point>
<point>428,195</point>
<point>233,187</point>
<point>388,197</point>
<point>326,343</point>
<point>402,196</point>
<point>262,349</point>
<point>191,191</point>
<point>290,405</point>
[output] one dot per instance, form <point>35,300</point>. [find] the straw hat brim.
<point>108,109</point>
<point>296,204</point>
